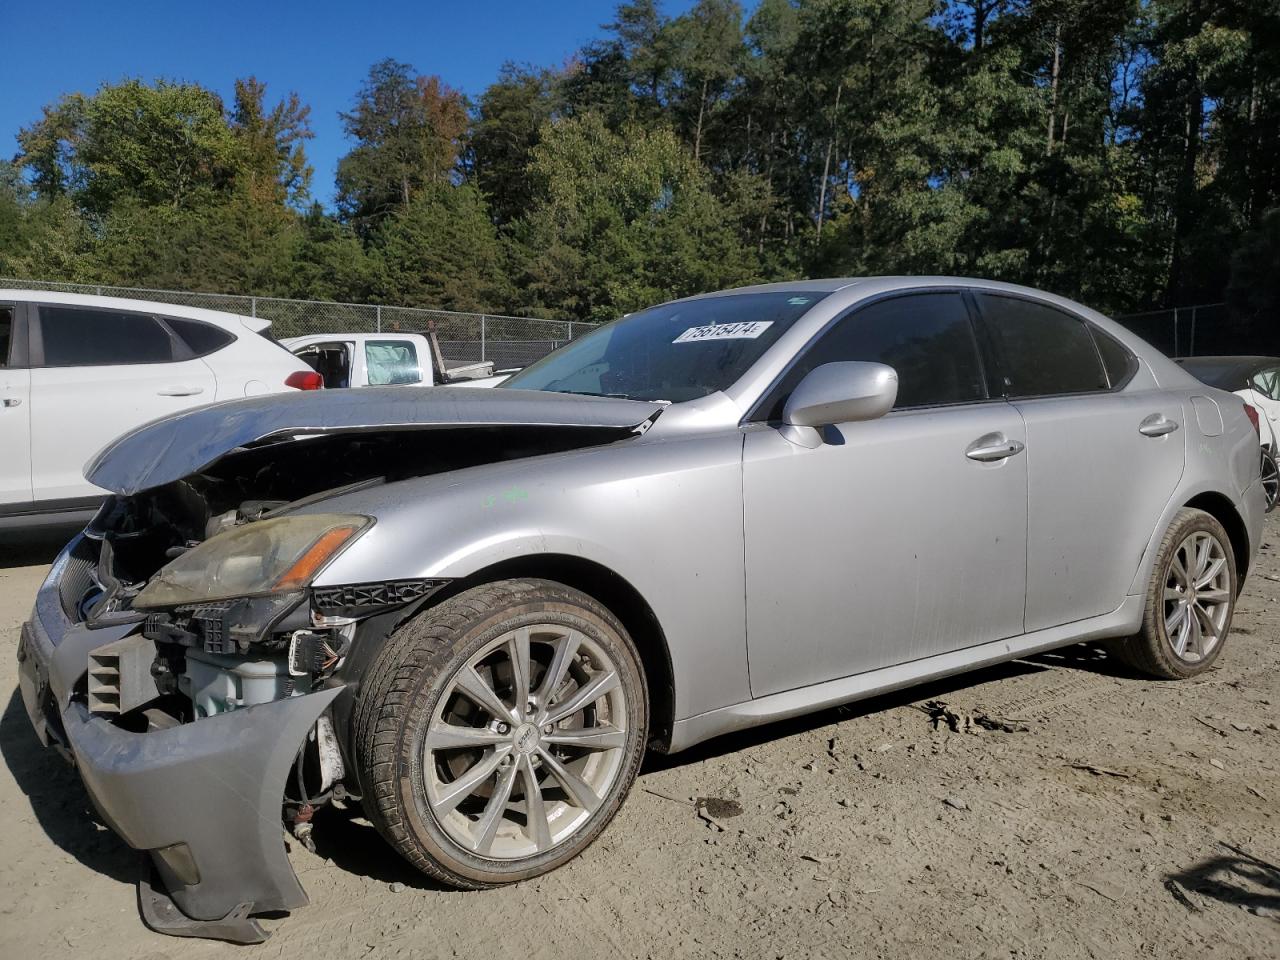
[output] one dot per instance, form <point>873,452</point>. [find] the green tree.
<point>507,125</point>
<point>164,144</point>
<point>408,131</point>
<point>273,165</point>
<point>441,250</point>
<point>707,53</point>
<point>622,219</point>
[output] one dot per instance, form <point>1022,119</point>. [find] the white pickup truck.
<point>383,359</point>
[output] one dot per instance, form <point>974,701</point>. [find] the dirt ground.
<point>1104,816</point>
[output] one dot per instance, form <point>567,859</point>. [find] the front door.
<point>895,539</point>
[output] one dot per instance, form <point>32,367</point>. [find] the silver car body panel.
<point>710,518</point>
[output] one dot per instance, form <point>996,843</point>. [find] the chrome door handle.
<point>993,446</point>
<point>1157,425</point>
<point>179,391</point>
<point>12,402</point>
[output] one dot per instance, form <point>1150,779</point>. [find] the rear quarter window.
<point>201,338</point>
<point>1119,363</point>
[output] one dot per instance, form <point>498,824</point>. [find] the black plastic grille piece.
<point>353,597</point>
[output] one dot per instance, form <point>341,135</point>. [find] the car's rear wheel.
<point>1190,600</point>
<point>499,732</point>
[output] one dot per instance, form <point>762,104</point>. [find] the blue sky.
<point>321,49</point>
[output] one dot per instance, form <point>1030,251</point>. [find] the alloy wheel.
<point>1197,597</point>
<point>1270,479</point>
<point>525,742</point>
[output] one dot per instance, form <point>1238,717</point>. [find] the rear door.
<point>1104,454</point>
<point>98,373</point>
<point>15,411</point>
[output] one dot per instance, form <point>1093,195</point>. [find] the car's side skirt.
<point>1122,621</point>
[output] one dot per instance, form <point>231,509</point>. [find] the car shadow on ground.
<point>58,799</point>
<point>1090,658</point>
<point>36,545</point>
<point>1234,877</point>
<point>350,842</point>
<point>745,739</point>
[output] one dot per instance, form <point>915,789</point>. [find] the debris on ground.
<point>714,809</point>
<point>1182,895</point>
<point>1098,771</point>
<point>957,722</point>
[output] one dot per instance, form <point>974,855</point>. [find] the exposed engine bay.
<point>198,660</point>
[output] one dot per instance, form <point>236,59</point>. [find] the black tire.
<point>402,693</point>
<point>1152,650</point>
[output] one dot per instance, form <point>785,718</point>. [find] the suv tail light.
<point>1252,413</point>
<point>310,380</point>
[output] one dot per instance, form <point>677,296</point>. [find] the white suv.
<point>77,371</point>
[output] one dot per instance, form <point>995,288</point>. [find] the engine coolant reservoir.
<point>217,683</point>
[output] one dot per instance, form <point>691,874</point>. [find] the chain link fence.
<point>510,342</point>
<point>1200,330</point>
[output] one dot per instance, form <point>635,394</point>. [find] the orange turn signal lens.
<point>315,557</point>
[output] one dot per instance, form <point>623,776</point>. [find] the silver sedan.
<point>472,612</point>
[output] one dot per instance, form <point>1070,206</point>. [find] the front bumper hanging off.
<point>203,798</point>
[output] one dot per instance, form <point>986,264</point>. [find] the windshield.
<point>678,351</point>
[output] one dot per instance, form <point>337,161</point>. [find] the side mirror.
<point>842,393</point>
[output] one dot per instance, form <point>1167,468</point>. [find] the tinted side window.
<point>927,338</point>
<point>1043,351</point>
<point>76,337</point>
<point>6,334</point>
<point>202,338</point>
<point>1119,363</point>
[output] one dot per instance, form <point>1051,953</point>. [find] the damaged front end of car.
<point>181,656</point>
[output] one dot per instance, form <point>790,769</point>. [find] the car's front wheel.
<point>1190,600</point>
<point>498,732</point>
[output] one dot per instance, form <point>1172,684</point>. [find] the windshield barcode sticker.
<point>724,331</point>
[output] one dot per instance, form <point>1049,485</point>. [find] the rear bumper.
<point>203,798</point>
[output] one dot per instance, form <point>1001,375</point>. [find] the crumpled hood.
<point>185,443</point>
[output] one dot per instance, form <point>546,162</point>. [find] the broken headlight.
<point>270,556</point>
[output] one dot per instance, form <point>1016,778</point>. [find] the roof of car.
<point>221,318</point>
<point>878,284</point>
